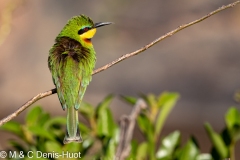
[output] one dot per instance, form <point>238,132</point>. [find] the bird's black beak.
<point>100,24</point>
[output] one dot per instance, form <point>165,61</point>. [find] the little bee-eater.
<point>71,61</point>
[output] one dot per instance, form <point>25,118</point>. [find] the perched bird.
<point>71,61</point>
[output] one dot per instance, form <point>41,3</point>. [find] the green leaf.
<point>111,149</point>
<point>167,101</point>
<point>16,145</point>
<point>145,124</point>
<point>53,146</point>
<point>27,135</point>
<point>189,151</point>
<point>106,102</point>
<point>33,115</point>
<point>43,119</point>
<point>87,143</point>
<point>129,99</point>
<point>72,147</point>
<point>168,146</point>
<point>204,156</point>
<point>87,110</point>
<point>39,131</point>
<point>105,122</point>
<point>152,101</point>
<point>133,152</point>
<point>232,117</point>
<point>55,121</point>
<point>13,127</point>
<point>83,128</point>
<point>142,151</point>
<point>217,141</point>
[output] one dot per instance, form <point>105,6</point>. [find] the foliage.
<point>44,133</point>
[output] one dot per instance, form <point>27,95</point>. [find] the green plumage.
<point>71,61</point>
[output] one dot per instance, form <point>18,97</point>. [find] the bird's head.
<point>81,28</point>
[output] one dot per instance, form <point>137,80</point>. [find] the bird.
<point>71,62</point>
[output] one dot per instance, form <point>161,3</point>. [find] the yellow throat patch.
<point>87,36</point>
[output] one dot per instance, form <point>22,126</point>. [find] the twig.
<point>26,105</point>
<point>127,124</point>
<point>169,34</point>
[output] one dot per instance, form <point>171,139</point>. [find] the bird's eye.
<point>86,29</point>
<point>81,31</point>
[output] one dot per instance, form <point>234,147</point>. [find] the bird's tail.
<point>72,131</point>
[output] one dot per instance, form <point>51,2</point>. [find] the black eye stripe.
<point>83,30</point>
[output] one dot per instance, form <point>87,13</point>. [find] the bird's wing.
<point>81,92</point>
<point>57,80</point>
<point>70,78</point>
<point>60,92</point>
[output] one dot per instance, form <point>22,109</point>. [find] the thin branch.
<point>169,34</point>
<point>127,124</point>
<point>26,105</point>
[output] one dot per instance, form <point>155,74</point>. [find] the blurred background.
<point>200,62</point>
